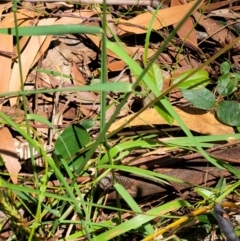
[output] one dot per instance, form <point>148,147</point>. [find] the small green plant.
<point>227,110</point>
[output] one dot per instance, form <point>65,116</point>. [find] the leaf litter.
<point>74,60</point>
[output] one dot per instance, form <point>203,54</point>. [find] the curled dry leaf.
<point>8,154</point>
<point>195,119</point>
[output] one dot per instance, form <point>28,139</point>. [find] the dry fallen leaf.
<point>27,58</point>
<point>78,78</point>
<point>4,7</point>
<point>187,32</point>
<point>195,119</point>
<point>207,7</point>
<point>8,154</point>
<point>116,65</point>
<point>165,17</point>
<point>218,33</point>
<point>5,61</point>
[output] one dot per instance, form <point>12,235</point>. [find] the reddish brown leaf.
<point>9,155</point>
<point>187,31</point>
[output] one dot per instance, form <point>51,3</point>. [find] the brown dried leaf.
<point>27,58</point>
<point>195,119</point>
<point>5,61</point>
<point>165,17</point>
<point>63,20</point>
<point>78,78</point>
<point>4,7</point>
<point>16,114</point>
<point>116,65</point>
<point>206,7</point>
<point>26,20</point>
<point>187,32</point>
<point>9,155</point>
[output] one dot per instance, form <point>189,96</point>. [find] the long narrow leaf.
<point>52,30</point>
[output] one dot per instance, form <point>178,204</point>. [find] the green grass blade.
<point>133,205</point>
<point>52,30</point>
<point>128,146</point>
<point>123,86</point>
<point>141,219</point>
<point>145,173</point>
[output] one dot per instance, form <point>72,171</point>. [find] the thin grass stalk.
<point>43,186</point>
<point>14,9</point>
<point>147,38</point>
<point>103,67</point>
<point>104,78</point>
<point>125,87</point>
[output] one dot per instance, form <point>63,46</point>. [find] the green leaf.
<point>225,67</point>
<point>155,73</point>
<point>221,184</point>
<point>198,80</point>
<point>204,219</point>
<point>200,98</point>
<point>163,111</point>
<point>237,76</point>
<point>205,193</point>
<point>226,84</point>
<point>229,112</point>
<point>71,140</point>
<point>88,123</point>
